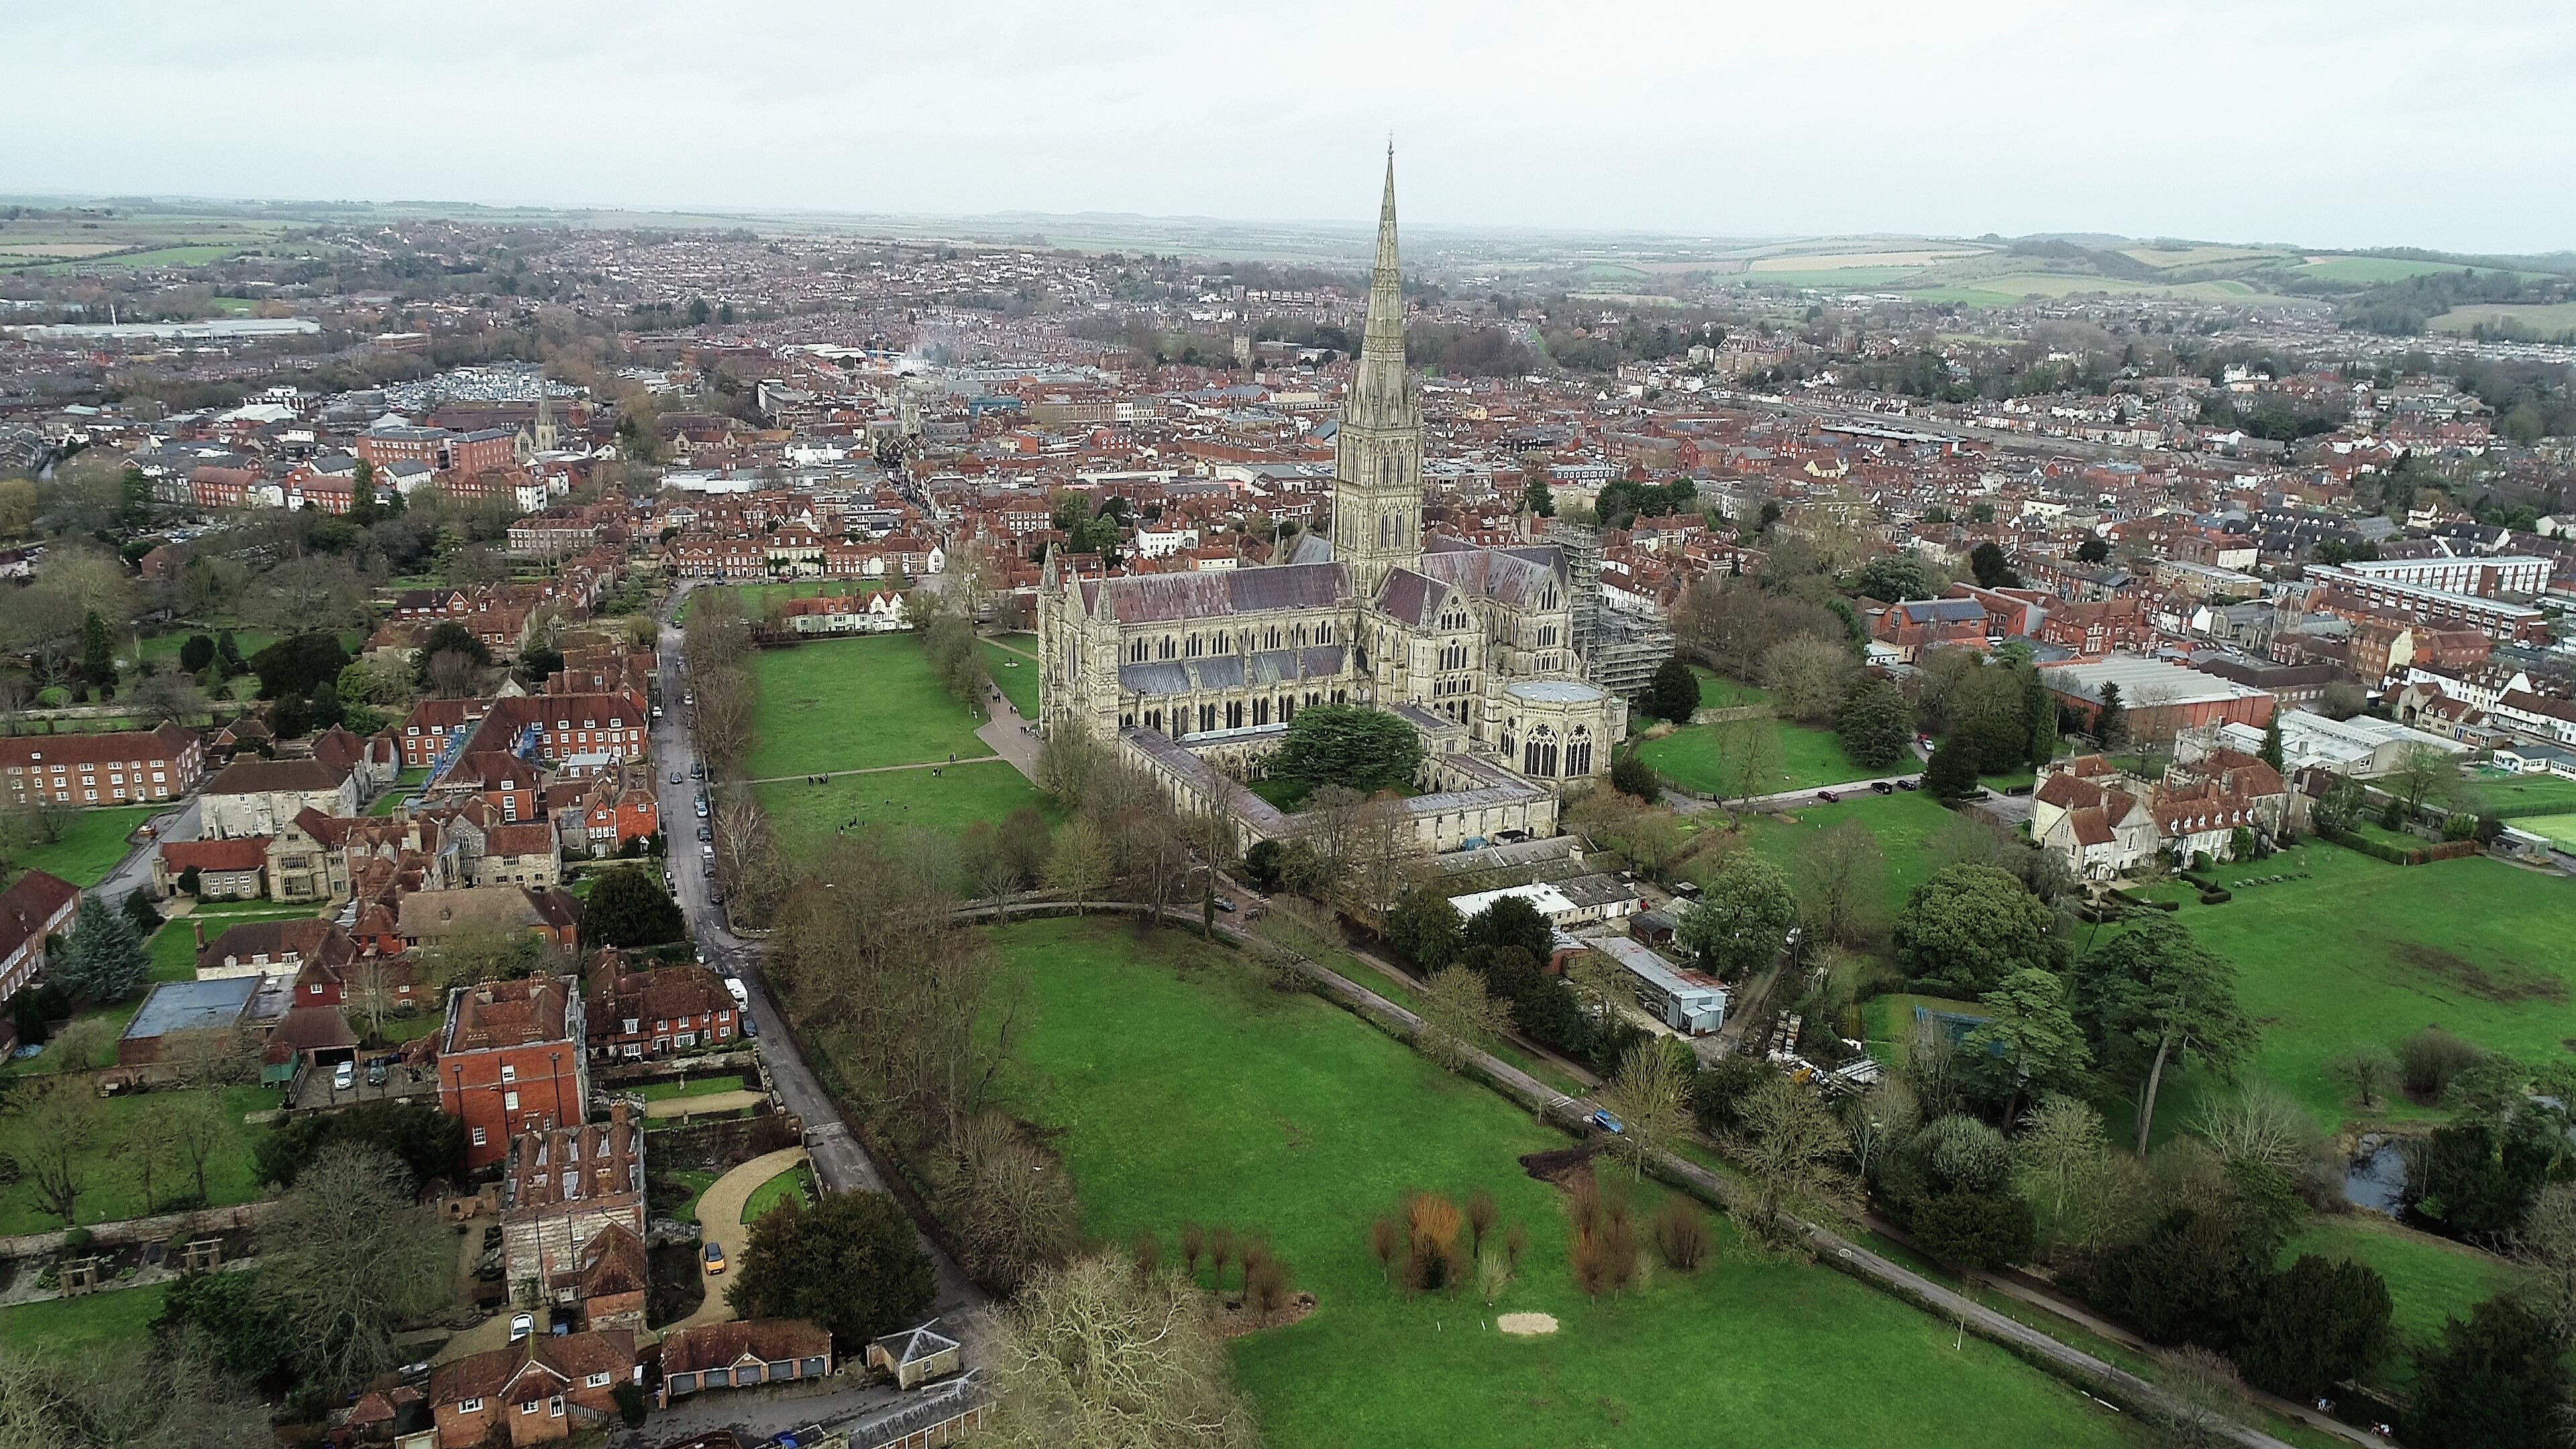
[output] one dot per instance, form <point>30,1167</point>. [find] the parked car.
<point>1826,797</point>
<point>701,808</point>
<point>524,1324</point>
<point>1907,785</point>
<point>344,1076</point>
<point>379,1073</point>
<point>677,777</point>
<point>706,832</point>
<point>1607,1123</point>
<point>749,1026</point>
<point>1884,787</point>
<point>707,852</point>
<point>715,1261</point>
<point>690,698</point>
<point>697,769</point>
<point>657,711</point>
<point>1225,903</point>
<point>416,1371</point>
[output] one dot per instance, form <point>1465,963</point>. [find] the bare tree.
<point>1079,865</point>
<point>1748,757</point>
<point>2545,1244</point>
<point>199,1129</point>
<point>1650,1095</point>
<point>53,1124</point>
<point>1211,833</point>
<point>1458,1017</point>
<point>452,674</point>
<point>1841,877</point>
<point>353,1257</point>
<point>1793,1154</point>
<point>2204,1399</point>
<point>146,1143</point>
<point>1095,1355</point>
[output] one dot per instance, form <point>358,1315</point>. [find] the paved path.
<point>813,775</point>
<point>1004,733</point>
<point>1783,799</point>
<point>720,1221</point>
<point>134,872</point>
<point>703,1104</point>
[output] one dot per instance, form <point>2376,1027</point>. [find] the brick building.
<point>511,1060</point>
<point>108,769</point>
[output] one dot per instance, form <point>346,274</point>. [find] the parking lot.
<point>313,1087</point>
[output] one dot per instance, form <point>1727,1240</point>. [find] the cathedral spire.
<point>1384,338</point>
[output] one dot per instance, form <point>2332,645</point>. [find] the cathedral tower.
<point>1377,451</point>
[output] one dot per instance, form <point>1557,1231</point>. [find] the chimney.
<point>618,1111</point>
<point>199,923</point>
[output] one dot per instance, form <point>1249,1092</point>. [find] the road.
<point>135,871</point>
<point>839,1160</point>
<point>1694,805</point>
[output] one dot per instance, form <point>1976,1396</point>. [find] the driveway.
<point>135,871</point>
<point>704,1104</point>
<point>720,1221</point>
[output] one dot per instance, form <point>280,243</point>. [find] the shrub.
<point>1976,1229</point>
<point>2216,896</point>
<point>2430,1058</point>
<point>1681,1235</point>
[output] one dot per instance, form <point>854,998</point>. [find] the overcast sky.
<point>2344,123</point>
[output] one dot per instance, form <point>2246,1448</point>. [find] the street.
<point>840,1161</point>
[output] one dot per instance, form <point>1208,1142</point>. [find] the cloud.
<point>2327,122</point>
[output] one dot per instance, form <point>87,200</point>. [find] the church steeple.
<point>1377,451</point>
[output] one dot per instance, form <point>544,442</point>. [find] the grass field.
<point>853,704</point>
<point>2366,952</point>
<point>113,1192</point>
<point>2559,828</point>
<point>2367,270</point>
<point>404,784</point>
<point>2429,1278</point>
<point>1823,278</point>
<point>696,1183</point>
<point>1808,758</point>
<point>1184,1088</point>
<point>68,1328</point>
<point>989,789</point>
<point>91,846</point>
<point>707,1086</point>
<point>791,1183</point>
<point>756,597</point>
<point>1016,675</point>
<point>1716,691</point>
<point>2513,796</point>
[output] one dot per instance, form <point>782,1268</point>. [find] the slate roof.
<point>1171,598</point>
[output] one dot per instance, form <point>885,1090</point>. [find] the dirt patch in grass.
<point>1526,1325</point>
<point>2499,985</point>
<point>1235,1318</point>
<point>1559,1165</point>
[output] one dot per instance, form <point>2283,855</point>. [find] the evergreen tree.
<point>1874,723</point>
<point>627,907</point>
<point>1674,694</point>
<point>2493,1382</point>
<point>98,654</point>
<point>228,657</point>
<point>196,653</point>
<point>362,495</point>
<point>1537,499</point>
<point>2111,721</point>
<point>2042,709</point>
<point>103,959</point>
<point>2272,742</point>
<point>1952,773</point>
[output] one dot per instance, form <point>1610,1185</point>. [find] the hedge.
<point>2216,896</point>
<point>2382,850</point>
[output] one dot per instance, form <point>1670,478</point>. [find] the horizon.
<point>1653,127</point>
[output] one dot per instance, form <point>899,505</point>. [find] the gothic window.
<point>1127,719</point>
<point>1578,752</point>
<point>1547,636</point>
<point>1261,711</point>
<point>1547,600</point>
<point>1153,719</point>
<point>1191,650</point>
<point>1386,530</point>
<point>1274,636</point>
<point>1166,650</point>
<point>1136,652</point>
<point>1234,714</point>
<point>1324,632</point>
<point>1207,717</point>
<point>1341,696</point>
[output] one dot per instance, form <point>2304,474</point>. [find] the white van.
<point>741,998</point>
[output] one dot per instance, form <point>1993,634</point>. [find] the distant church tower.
<point>545,429</point>
<point>1377,451</point>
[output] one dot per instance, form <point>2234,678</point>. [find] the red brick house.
<point>227,870</point>
<point>536,1391</point>
<point>108,769</point>
<point>35,906</point>
<point>432,722</point>
<point>2100,627</point>
<point>511,1060</point>
<point>636,1014</point>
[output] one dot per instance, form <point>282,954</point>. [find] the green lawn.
<point>113,1193</point>
<point>1889,1020</point>
<point>1904,824</point>
<point>686,1209</point>
<point>2558,828</point>
<point>404,784</point>
<point>791,1183</point>
<point>708,1086</point>
<point>756,597</point>
<point>92,844</point>
<point>2429,1279</point>
<point>806,815</point>
<point>2365,951</point>
<point>1016,675</point>
<point>1184,1088</point>
<point>2512,796</point>
<point>1716,691</point>
<point>853,704</point>
<point>67,1328</point>
<point>174,946</point>
<point>1808,759</point>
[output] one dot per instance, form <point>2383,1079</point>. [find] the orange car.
<point>715,1258</point>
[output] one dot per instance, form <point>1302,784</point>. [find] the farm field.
<point>1808,758</point>
<point>91,846</point>
<point>2196,256</point>
<point>2366,952</point>
<point>231,1174</point>
<point>855,704</point>
<point>1824,278</point>
<point>2545,318</point>
<point>2368,269</point>
<point>1183,1087</point>
<point>959,795</point>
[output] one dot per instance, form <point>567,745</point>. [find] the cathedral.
<point>1474,647</point>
